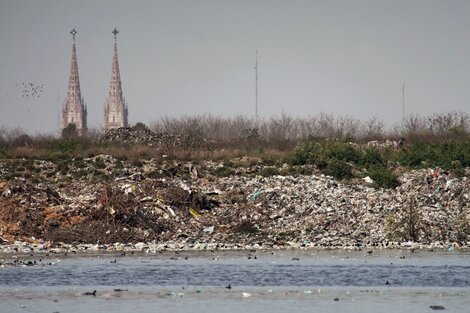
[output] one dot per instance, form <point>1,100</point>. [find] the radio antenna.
<point>403,100</point>
<point>256,88</point>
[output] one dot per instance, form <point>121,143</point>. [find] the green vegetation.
<point>442,154</point>
<point>333,158</point>
<point>99,163</point>
<point>338,169</point>
<point>269,171</point>
<point>342,160</point>
<point>383,177</point>
<point>222,171</point>
<point>339,159</point>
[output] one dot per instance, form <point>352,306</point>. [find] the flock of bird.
<point>30,90</point>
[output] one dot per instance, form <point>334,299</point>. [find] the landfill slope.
<point>105,203</point>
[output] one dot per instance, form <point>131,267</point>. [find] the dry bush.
<point>436,128</point>
<point>413,127</point>
<point>414,123</point>
<point>449,123</point>
<point>211,127</point>
<point>280,130</point>
<point>347,127</point>
<point>325,126</point>
<point>119,218</point>
<point>94,134</point>
<point>373,129</point>
<point>208,136</point>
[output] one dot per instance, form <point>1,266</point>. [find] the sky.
<point>194,57</point>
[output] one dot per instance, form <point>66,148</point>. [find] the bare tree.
<point>325,126</point>
<point>347,127</point>
<point>373,128</point>
<point>452,122</point>
<point>413,123</point>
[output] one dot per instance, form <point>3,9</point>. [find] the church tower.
<point>74,110</point>
<point>115,108</point>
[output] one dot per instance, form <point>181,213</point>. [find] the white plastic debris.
<point>208,229</point>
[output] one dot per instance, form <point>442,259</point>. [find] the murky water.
<point>261,282</point>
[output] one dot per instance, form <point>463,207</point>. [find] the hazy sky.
<point>193,57</point>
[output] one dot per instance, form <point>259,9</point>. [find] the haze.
<point>197,57</point>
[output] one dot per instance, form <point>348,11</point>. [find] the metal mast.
<point>403,100</point>
<point>256,87</point>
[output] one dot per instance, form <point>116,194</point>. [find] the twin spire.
<point>74,112</point>
<point>115,109</point>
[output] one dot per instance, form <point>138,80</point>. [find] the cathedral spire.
<point>74,110</point>
<point>115,109</point>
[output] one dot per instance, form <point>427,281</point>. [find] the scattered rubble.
<point>129,135</point>
<point>115,206</point>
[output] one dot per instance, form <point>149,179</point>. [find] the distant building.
<point>115,108</point>
<point>74,110</point>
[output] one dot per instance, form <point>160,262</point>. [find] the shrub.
<point>271,160</point>
<point>306,153</point>
<point>303,170</point>
<point>222,171</point>
<point>383,177</point>
<point>23,140</point>
<point>66,146</point>
<point>63,166</point>
<point>295,170</point>
<point>5,152</point>
<point>413,156</point>
<point>139,126</point>
<point>319,152</point>
<point>99,163</point>
<point>338,169</point>
<point>372,157</point>
<point>463,228</point>
<point>436,154</point>
<point>457,169</point>
<point>405,225</point>
<point>70,132</point>
<point>269,171</point>
<point>343,152</point>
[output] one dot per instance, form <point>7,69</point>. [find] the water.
<point>387,281</point>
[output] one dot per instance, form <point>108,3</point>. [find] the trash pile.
<point>129,135</point>
<point>183,206</point>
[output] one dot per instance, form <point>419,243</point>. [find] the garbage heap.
<point>185,207</point>
<point>129,135</point>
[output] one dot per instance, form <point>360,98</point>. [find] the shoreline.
<point>25,248</point>
<point>10,257</point>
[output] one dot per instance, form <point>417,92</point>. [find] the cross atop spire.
<point>73,32</point>
<point>115,108</point>
<point>115,32</point>
<point>74,110</point>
